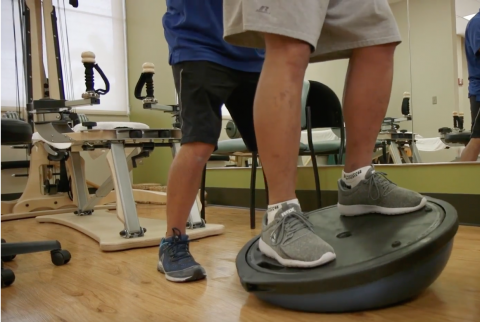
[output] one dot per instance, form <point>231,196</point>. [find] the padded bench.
<point>458,138</point>
<point>238,146</point>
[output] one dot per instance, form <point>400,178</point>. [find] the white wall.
<point>434,70</point>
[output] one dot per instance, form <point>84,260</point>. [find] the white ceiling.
<point>464,8</point>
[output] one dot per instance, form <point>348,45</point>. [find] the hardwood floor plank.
<point>125,286</point>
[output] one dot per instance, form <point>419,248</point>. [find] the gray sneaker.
<point>290,240</point>
<point>377,194</point>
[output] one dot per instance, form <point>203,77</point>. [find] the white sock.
<point>353,178</point>
<point>273,209</point>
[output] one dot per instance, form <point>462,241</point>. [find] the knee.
<point>290,52</point>
<point>198,153</point>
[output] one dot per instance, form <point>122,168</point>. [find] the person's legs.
<point>200,87</point>
<point>288,236</point>
<point>367,93</point>
<point>277,113</point>
<point>367,34</point>
<point>357,30</point>
<point>472,150</point>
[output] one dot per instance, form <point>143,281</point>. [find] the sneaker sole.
<point>357,210</point>
<point>268,251</point>
<point>198,274</point>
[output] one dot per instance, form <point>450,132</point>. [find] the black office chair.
<point>321,108</point>
<point>19,132</point>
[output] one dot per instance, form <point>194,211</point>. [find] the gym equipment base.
<point>381,261</point>
<point>107,203</point>
<point>32,214</point>
<point>104,227</point>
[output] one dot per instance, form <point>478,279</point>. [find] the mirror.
<point>440,76</point>
<point>333,75</point>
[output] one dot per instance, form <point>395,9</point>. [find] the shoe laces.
<point>178,249</point>
<point>286,227</point>
<point>379,185</point>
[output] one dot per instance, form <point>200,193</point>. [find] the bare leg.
<point>287,237</point>
<point>471,151</point>
<point>183,183</point>
<point>367,93</point>
<point>277,113</point>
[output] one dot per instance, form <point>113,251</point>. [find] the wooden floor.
<point>125,286</point>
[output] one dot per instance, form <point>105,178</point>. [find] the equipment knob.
<point>89,125</point>
<point>88,57</point>
<point>148,68</point>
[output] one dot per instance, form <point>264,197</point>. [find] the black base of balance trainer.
<point>381,261</point>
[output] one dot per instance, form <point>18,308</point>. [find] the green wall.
<point>146,43</point>
<point>452,178</point>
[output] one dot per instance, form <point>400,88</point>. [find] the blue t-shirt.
<point>194,31</point>
<point>472,49</point>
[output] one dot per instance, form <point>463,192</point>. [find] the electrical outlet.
<point>434,100</point>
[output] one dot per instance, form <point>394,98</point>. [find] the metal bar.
<point>253,178</point>
<point>108,185</point>
<point>55,73</point>
<point>82,102</point>
<point>124,189</point>
<point>202,192</point>
<point>404,155</point>
<point>415,154</point>
<point>80,182</point>
<point>163,108</point>
<point>393,149</point>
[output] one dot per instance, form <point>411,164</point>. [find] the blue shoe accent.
<point>175,260</point>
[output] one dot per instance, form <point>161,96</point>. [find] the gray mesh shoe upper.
<point>291,236</point>
<point>377,190</point>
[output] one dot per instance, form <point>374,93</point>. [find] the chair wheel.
<point>7,258</point>
<point>8,277</point>
<point>60,257</point>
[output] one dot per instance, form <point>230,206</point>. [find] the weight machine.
<point>395,141</point>
<point>126,145</point>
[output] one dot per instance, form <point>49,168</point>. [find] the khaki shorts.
<point>332,27</point>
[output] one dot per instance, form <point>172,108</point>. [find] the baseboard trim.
<point>466,205</point>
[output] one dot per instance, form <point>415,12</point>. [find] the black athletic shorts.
<point>475,109</point>
<point>203,87</point>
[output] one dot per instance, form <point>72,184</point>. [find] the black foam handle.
<point>89,77</point>
<point>460,122</point>
<point>146,79</point>
<point>149,84</point>
<point>406,106</point>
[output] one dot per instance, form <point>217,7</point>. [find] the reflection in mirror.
<point>394,143</point>
<point>440,77</point>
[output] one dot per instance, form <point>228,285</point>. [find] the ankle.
<point>274,208</point>
<point>172,232</point>
<point>353,178</point>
